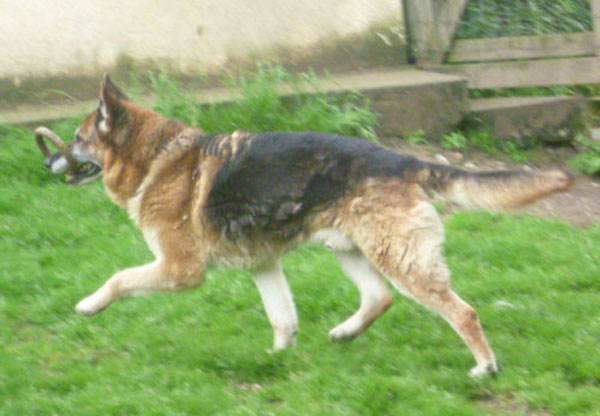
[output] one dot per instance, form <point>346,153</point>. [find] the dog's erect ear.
<point>112,109</point>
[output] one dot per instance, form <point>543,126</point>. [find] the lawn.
<point>534,282</point>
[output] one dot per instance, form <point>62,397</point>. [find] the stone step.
<point>407,99</point>
<point>412,100</point>
<point>526,119</point>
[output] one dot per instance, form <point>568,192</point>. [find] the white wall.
<point>82,37</point>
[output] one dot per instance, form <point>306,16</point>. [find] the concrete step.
<point>408,101</point>
<point>412,100</point>
<point>525,119</point>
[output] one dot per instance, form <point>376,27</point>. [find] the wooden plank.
<point>418,18</point>
<point>447,18</point>
<point>431,26</point>
<point>536,73</point>
<point>595,6</point>
<point>523,47</point>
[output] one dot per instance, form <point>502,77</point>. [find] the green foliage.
<point>455,141</point>
<point>496,18</point>
<point>476,136</point>
<point>588,159</point>
<point>417,137</point>
<point>483,138</point>
<point>262,107</point>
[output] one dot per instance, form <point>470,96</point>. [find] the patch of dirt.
<point>505,404</point>
<point>579,206</point>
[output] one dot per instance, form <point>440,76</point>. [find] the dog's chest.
<point>133,208</point>
<point>151,237</point>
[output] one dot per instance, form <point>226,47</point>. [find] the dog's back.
<point>276,180</point>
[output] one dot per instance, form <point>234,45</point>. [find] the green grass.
<point>535,284</point>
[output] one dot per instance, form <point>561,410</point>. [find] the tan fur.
<point>495,194</point>
<point>386,226</point>
<point>400,232</point>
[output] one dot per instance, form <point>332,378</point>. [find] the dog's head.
<point>105,128</point>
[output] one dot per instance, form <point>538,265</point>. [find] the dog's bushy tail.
<point>492,190</point>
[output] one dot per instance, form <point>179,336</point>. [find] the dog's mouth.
<point>83,173</point>
<point>63,161</point>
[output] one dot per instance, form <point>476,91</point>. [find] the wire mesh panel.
<point>500,18</point>
<point>507,43</point>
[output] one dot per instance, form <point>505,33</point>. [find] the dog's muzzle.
<point>64,161</point>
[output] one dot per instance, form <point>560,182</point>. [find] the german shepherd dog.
<point>244,200</point>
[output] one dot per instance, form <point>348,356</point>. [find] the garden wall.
<point>42,38</point>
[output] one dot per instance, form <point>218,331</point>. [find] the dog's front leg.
<point>278,302</point>
<point>139,280</point>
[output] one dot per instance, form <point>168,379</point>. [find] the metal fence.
<point>507,43</point>
<point>500,18</point>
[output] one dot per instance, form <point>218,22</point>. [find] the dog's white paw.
<point>484,370</point>
<point>284,338</point>
<point>89,306</point>
<point>346,330</point>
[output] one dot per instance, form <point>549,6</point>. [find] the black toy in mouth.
<point>63,161</point>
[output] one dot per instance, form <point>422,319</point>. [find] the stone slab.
<point>549,119</point>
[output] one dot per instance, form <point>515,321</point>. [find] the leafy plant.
<point>588,159</point>
<point>271,99</point>
<point>475,135</point>
<point>454,141</point>
<point>417,137</point>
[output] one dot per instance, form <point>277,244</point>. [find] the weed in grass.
<point>483,139</point>
<point>474,135</point>
<point>588,159</point>
<point>417,137</point>
<point>454,141</point>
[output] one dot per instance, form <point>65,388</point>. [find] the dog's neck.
<point>127,162</point>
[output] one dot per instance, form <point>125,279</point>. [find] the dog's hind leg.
<point>461,317</point>
<point>149,278</point>
<point>375,298</point>
<point>406,246</point>
<point>278,302</point>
